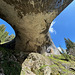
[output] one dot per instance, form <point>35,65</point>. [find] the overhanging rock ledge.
<point>31,20</point>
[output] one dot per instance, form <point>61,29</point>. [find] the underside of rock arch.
<point>31,20</point>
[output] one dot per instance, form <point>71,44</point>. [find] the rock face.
<point>37,64</point>
<point>13,62</point>
<point>50,48</point>
<point>31,20</point>
<point>34,63</point>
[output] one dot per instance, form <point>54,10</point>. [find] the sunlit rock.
<point>34,63</point>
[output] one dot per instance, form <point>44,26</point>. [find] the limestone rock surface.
<point>31,20</point>
<point>36,64</point>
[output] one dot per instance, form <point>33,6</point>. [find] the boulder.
<point>36,64</point>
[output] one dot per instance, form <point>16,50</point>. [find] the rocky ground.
<point>20,63</point>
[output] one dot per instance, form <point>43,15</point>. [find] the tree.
<point>2,29</point>
<point>9,38</point>
<point>69,43</point>
<point>4,37</point>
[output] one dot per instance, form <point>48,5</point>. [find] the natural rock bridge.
<point>31,20</point>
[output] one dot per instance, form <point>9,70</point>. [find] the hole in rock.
<point>63,26</point>
<point>7,33</point>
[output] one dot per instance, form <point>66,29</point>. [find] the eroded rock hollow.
<point>31,20</point>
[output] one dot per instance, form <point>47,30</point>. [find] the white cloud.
<point>51,28</point>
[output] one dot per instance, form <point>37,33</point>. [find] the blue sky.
<point>62,26</point>
<point>8,27</point>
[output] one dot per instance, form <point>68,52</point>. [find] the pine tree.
<point>2,29</point>
<point>4,37</point>
<point>69,43</point>
<point>9,38</point>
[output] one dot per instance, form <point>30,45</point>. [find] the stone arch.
<point>31,20</point>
